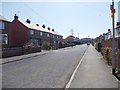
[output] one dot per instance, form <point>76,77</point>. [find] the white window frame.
<point>3,39</point>
<point>34,42</point>
<point>53,36</point>
<point>48,35</point>
<point>41,33</point>
<point>32,32</point>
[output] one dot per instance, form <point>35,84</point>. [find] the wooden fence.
<point>9,52</point>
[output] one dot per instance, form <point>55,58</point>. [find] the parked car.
<point>88,43</point>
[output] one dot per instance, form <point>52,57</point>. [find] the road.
<point>52,70</point>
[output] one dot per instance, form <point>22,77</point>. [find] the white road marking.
<point>73,74</point>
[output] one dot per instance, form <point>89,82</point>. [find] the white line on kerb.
<point>73,74</point>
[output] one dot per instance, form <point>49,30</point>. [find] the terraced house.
<point>22,33</point>
<point>4,31</point>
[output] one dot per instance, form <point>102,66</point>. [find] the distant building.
<point>69,39</point>
<point>85,40</point>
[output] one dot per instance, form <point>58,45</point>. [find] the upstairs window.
<point>48,35</point>
<point>53,36</point>
<point>2,25</point>
<point>32,32</point>
<point>41,33</point>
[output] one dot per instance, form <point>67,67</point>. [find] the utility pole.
<point>72,32</point>
<point>72,36</point>
<point>113,39</point>
<point>78,35</point>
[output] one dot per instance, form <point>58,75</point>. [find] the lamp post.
<point>113,38</point>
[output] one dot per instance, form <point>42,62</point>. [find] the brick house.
<point>22,33</point>
<point>4,31</point>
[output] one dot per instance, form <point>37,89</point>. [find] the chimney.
<point>28,21</point>
<point>37,24</point>
<point>118,23</point>
<point>43,26</point>
<point>103,34</point>
<point>53,30</point>
<point>109,30</point>
<point>15,17</point>
<point>48,28</point>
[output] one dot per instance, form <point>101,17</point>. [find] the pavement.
<point>22,57</point>
<point>93,72</point>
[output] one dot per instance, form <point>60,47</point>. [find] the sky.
<point>86,18</point>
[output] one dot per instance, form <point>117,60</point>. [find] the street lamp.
<point>113,39</point>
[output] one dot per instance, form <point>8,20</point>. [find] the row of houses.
<point>108,35</point>
<point>19,33</point>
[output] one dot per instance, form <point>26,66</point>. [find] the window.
<point>118,32</point>
<point>2,25</point>
<point>54,42</point>
<point>31,32</point>
<point>53,36</point>
<point>34,42</point>
<point>41,33</point>
<point>48,35</point>
<point>57,36</point>
<point>3,39</point>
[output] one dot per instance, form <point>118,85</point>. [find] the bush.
<point>46,45</point>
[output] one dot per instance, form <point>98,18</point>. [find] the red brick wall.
<point>19,34</point>
<point>108,45</point>
<point>37,33</point>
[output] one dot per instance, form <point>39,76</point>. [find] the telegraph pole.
<point>113,39</point>
<point>72,32</point>
<point>78,35</point>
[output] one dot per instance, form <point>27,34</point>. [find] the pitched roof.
<point>32,26</point>
<point>3,18</point>
<point>40,28</point>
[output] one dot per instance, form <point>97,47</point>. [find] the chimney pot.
<point>37,24</point>
<point>109,30</point>
<point>118,23</point>
<point>53,30</point>
<point>43,26</point>
<point>48,28</point>
<point>15,17</point>
<point>28,21</point>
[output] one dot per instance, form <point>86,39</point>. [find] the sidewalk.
<point>21,57</point>
<point>93,72</point>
